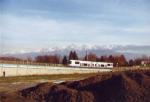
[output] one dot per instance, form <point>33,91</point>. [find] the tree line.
<point>117,60</point>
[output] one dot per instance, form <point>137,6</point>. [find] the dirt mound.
<point>130,86</point>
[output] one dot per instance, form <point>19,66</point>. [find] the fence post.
<point>4,73</point>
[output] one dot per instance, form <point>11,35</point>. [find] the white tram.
<point>90,64</point>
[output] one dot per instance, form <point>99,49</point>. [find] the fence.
<point>30,63</point>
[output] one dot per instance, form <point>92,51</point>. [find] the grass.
<point>33,78</point>
<point>36,78</point>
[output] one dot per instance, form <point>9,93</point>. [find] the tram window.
<point>85,64</point>
<point>77,63</point>
<point>70,62</point>
<point>102,65</point>
<point>108,64</point>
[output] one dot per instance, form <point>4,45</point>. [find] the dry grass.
<point>33,78</point>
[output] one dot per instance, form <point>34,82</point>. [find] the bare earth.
<point>127,86</point>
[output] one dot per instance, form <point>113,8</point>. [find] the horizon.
<point>34,24</point>
<point>76,47</point>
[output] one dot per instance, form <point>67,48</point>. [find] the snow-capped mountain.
<point>130,51</point>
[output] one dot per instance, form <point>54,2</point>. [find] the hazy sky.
<point>35,24</point>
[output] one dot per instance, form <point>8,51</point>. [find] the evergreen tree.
<point>75,56</point>
<point>71,55</point>
<point>131,62</point>
<point>64,61</point>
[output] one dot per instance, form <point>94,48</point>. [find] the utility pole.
<point>86,55</point>
<point>1,53</point>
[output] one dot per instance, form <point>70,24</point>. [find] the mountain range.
<point>130,51</point>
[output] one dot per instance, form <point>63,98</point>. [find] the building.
<point>145,63</point>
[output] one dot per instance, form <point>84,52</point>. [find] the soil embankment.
<point>130,86</point>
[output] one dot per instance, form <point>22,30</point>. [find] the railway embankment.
<point>25,70</point>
